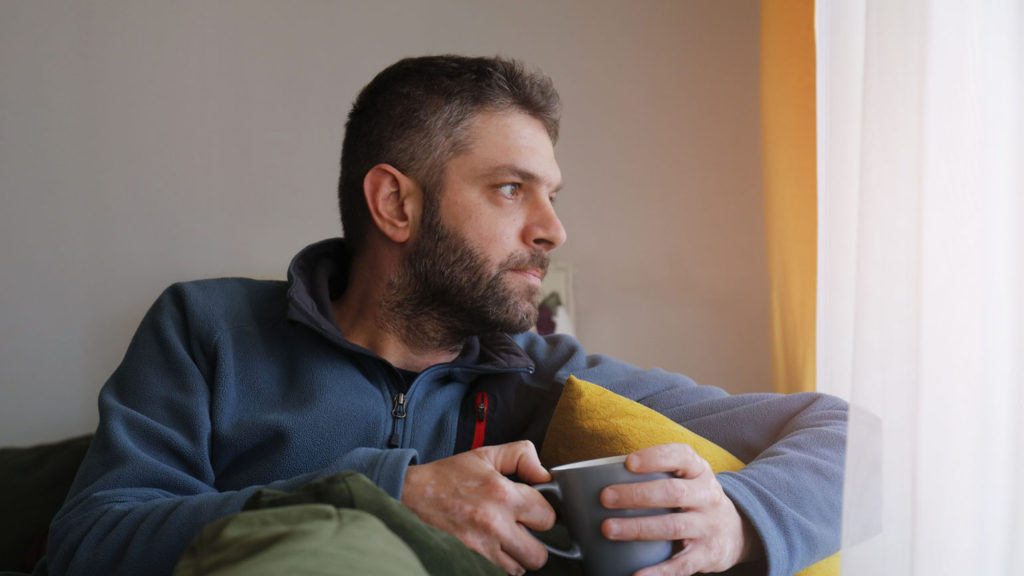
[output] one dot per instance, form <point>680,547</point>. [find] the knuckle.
<point>679,526</point>
<point>687,565</point>
<point>718,497</point>
<point>523,445</point>
<point>475,542</point>
<point>641,530</point>
<point>707,465</point>
<point>679,451</point>
<point>484,519</point>
<point>503,493</point>
<point>547,518</point>
<point>678,490</point>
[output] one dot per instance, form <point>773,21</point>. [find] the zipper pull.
<point>398,412</point>
<point>481,420</point>
<point>481,407</point>
<point>398,405</point>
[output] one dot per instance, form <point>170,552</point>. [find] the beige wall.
<point>143,143</point>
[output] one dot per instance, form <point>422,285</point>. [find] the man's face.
<point>477,262</point>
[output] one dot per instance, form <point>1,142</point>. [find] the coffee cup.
<point>576,490</point>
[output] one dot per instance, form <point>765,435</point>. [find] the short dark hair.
<point>414,116</point>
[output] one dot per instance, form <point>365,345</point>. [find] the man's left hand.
<point>713,534</point>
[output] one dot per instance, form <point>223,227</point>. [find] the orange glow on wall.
<point>790,181</point>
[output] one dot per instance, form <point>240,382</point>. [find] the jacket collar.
<point>319,273</point>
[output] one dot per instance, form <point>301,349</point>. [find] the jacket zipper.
<point>398,408</point>
<point>481,420</point>
<point>398,413</point>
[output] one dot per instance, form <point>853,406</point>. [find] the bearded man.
<point>377,353</point>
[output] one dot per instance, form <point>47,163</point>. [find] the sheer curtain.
<point>921,278</point>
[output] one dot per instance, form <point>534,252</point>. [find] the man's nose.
<point>545,229</point>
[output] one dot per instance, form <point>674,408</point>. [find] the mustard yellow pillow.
<point>592,422</point>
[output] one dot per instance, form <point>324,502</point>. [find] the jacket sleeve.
<point>794,446</point>
<point>148,483</point>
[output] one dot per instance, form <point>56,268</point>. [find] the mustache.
<point>523,260</point>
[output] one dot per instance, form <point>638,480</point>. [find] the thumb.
<point>519,458</point>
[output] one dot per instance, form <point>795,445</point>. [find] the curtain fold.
<point>921,239</point>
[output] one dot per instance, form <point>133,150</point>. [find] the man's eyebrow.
<point>518,173</point>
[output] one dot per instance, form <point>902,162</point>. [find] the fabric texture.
<point>339,525</point>
<point>232,386</point>
<point>302,540</point>
<point>591,422</point>
<point>440,553</point>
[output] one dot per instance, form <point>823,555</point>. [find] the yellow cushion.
<point>592,422</point>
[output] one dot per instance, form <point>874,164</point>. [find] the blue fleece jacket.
<point>233,385</point>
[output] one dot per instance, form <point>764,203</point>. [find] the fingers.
<point>708,547</point>
<point>693,486</point>
<point>523,503</point>
<point>667,493</point>
<point>495,554</point>
<point>525,550</point>
<point>469,496</point>
<point>714,534</point>
<point>497,530</point>
<point>535,512</point>
<point>514,560</point>
<point>695,558</point>
<point>508,544</point>
<point>679,459</point>
<point>519,458</point>
<point>674,526</point>
<point>515,504</point>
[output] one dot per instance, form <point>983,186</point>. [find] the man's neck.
<point>360,315</point>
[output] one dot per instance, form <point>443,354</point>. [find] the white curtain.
<point>921,278</point>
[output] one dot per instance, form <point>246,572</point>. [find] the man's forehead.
<point>511,144</point>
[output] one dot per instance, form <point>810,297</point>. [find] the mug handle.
<point>574,552</point>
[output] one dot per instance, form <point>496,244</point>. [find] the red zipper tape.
<point>481,420</point>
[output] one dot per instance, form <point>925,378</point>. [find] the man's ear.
<point>394,201</point>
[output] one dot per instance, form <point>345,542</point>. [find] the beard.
<point>444,293</point>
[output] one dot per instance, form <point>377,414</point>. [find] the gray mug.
<point>576,490</point>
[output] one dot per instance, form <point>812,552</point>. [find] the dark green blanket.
<point>339,525</point>
<point>343,524</point>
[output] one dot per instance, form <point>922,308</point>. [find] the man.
<point>376,353</point>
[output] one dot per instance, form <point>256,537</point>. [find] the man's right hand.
<point>468,495</point>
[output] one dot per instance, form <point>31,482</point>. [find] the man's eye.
<point>508,190</point>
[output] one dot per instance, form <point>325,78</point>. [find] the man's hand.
<point>714,536</point>
<point>468,495</point>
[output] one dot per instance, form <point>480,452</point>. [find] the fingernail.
<point>632,461</point>
<point>611,530</point>
<point>610,497</point>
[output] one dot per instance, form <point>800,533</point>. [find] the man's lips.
<point>534,275</point>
